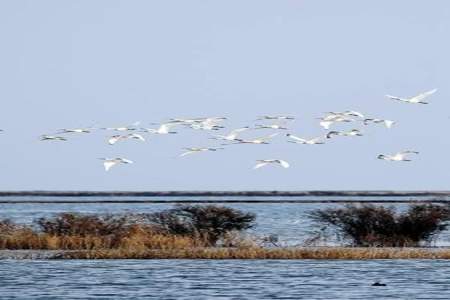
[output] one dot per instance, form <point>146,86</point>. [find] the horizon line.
<point>200,193</point>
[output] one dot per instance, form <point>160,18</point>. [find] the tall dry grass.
<point>29,240</point>
<point>88,237</point>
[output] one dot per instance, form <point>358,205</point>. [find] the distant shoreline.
<point>54,200</point>
<point>225,193</point>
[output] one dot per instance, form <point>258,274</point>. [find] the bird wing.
<point>366,121</point>
<point>108,164</point>
<point>127,161</point>
<point>187,153</point>
<point>195,125</point>
<point>283,163</point>
<point>407,152</point>
<point>165,128</point>
<point>234,133</point>
<point>149,130</point>
<point>219,137</point>
<point>259,165</point>
<point>239,130</point>
<point>169,125</point>
<point>326,124</point>
<point>332,116</point>
<point>331,133</point>
<point>397,98</point>
<point>138,136</point>
<point>296,138</point>
<point>352,132</point>
<point>315,140</point>
<point>423,95</point>
<point>268,137</point>
<point>113,140</point>
<point>388,123</point>
<point>354,113</point>
<point>211,122</point>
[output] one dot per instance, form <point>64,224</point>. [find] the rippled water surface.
<point>224,279</point>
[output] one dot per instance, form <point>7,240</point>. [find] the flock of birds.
<point>277,123</point>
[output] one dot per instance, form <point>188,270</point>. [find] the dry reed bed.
<point>263,253</point>
<point>136,240</point>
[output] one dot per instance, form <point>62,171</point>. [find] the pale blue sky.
<point>78,63</point>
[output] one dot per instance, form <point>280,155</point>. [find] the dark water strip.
<point>225,193</point>
<point>253,201</point>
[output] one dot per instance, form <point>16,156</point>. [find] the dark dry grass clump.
<point>378,226</point>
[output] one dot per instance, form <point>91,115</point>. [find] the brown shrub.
<point>73,224</point>
<point>6,226</point>
<point>205,222</point>
<point>370,225</point>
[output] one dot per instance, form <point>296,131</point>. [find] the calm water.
<point>287,221</point>
<point>227,279</point>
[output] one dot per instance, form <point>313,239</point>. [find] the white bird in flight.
<point>193,150</point>
<point>400,156</point>
<point>353,113</point>
<point>205,126</point>
<point>232,135</point>
<point>353,132</point>
<point>271,126</point>
<point>260,140</point>
<point>52,138</point>
<point>194,120</point>
<point>348,113</point>
<point>162,129</point>
<point>74,130</point>
<point>108,163</point>
<point>184,121</point>
<point>416,99</point>
<point>115,138</point>
<point>265,162</point>
<point>269,117</point>
<point>298,140</point>
<point>211,123</point>
<point>329,120</point>
<point>124,128</point>
<point>387,123</point>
